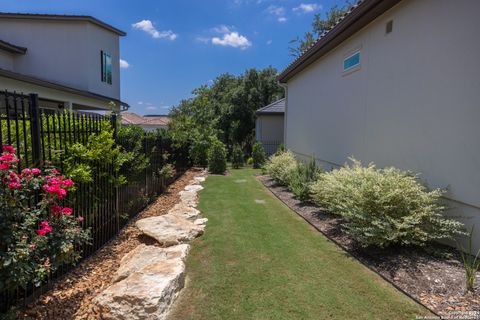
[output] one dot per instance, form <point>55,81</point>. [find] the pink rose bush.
<point>38,233</point>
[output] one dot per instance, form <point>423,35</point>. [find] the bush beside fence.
<point>43,137</point>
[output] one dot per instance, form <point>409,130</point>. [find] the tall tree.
<point>226,109</point>
<point>320,25</point>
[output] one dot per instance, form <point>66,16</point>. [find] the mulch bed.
<point>71,295</point>
<point>434,276</point>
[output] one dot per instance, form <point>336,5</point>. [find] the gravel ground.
<point>71,295</point>
<point>435,277</point>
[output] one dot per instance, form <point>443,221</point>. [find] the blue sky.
<point>173,46</point>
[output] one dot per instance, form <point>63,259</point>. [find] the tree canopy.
<point>321,23</point>
<point>226,108</point>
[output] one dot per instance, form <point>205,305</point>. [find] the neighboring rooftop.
<point>61,17</point>
<point>277,107</point>
<point>131,118</point>
<point>359,15</point>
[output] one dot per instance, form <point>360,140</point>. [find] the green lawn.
<point>259,260</point>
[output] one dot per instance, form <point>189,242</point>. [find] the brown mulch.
<point>71,295</point>
<point>434,275</point>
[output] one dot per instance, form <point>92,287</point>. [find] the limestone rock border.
<point>150,278</point>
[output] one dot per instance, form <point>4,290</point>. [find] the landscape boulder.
<point>187,212</point>
<point>143,256</point>
<point>169,229</point>
<point>189,198</point>
<point>147,293</point>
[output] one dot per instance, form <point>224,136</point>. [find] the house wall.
<point>64,52</point>
<point>269,130</point>
<point>6,60</point>
<point>414,103</point>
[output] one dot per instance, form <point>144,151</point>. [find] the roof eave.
<point>63,18</point>
<point>12,48</point>
<point>56,86</point>
<point>363,14</point>
<point>276,113</point>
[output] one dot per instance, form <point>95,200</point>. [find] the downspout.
<point>285,87</point>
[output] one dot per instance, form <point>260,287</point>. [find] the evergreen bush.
<point>258,155</point>
<point>217,157</point>
<point>237,157</point>
<point>302,178</point>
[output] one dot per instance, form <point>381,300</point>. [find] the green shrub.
<point>280,149</point>
<point>250,161</point>
<point>217,157</point>
<point>198,152</point>
<point>471,262</point>
<point>302,178</point>
<point>237,157</point>
<point>167,172</point>
<point>383,207</point>
<point>258,155</point>
<point>281,167</point>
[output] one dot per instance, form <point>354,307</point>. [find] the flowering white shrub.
<point>281,166</point>
<point>383,207</point>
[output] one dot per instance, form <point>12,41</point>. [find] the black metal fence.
<point>42,136</point>
<point>270,147</point>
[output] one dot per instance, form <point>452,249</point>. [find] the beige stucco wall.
<point>414,103</point>
<point>64,52</point>
<point>269,128</point>
<point>6,60</point>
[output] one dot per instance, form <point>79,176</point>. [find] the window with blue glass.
<point>106,65</point>
<point>351,61</point>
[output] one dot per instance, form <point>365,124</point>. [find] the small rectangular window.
<point>389,27</point>
<point>351,61</point>
<point>106,65</point>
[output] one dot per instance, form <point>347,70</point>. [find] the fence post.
<point>113,123</point>
<point>35,123</point>
<point>146,169</point>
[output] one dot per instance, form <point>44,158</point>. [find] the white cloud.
<point>307,7</point>
<point>223,29</point>
<point>147,26</point>
<point>151,108</point>
<point>232,39</point>
<point>140,102</point>
<point>202,39</point>
<point>124,64</point>
<point>278,12</point>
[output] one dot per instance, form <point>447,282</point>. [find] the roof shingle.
<point>277,107</point>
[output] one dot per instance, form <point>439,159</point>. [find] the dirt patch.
<point>71,295</point>
<point>434,275</point>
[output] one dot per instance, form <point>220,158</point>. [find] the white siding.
<point>270,128</point>
<point>414,103</point>
<point>66,52</point>
<point>6,60</point>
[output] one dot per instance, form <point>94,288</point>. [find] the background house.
<point>148,122</point>
<point>396,83</point>
<point>70,61</point>
<point>269,126</point>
